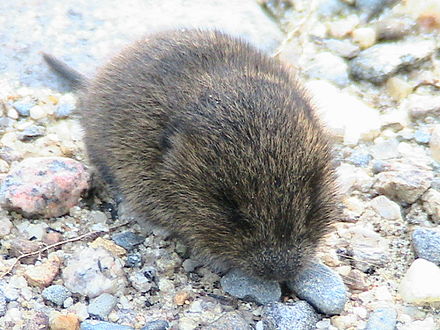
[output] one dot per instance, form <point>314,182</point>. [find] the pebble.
<point>386,208</point>
<point>181,297</point>
<point>329,67</point>
<point>37,112</point>
<point>128,240</point>
<point>426,12</point>
<point>379,62</point>
<point>102,305</point>
<point>23,107</point>
<point>382,319</point>
<point>5,226</point>
<point>64,322</point>
<point>297,315</point>
<point>422,136</point>
<point>426,243</point>
<point>6,124</point>
<point>111,247</point>
<point>343,48</point>
<point>31,132</point>
<point>141,282</point>
<point>371,8</point>
<point>398,89</point>
<point>65,106</point>
<point>421,283</point>
<point>403,182</point>
<point>134,260</point>
<point>28,184</point>
<point>431,204</point>
<point>156,325</point>
<point>42,275</point>
<point>228,321</point>
<point>239,285</point>
<point>56,294</point>
<point>360,158</point>
<point>393,28</point>
<point>320,287</point>
<point>3,306</point>
<point>21,246</point>
<point>91,272</point>
<point>338,115</point>
<point>365,37</point>
<point>369,248</point>
<point>421,106</point>
<point>100,325</point>
<point>434,144</point>
<point>32,231</point>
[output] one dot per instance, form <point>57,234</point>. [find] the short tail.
<point>75,78</point>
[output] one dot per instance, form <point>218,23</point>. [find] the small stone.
<point>102,305</point>
<point>368,247</point>
<point>421,106</point>
<point>65,106</point>
<point>355,280</point>
<point>398,88</point>
<point>128,240</point>
<point>21,246</point>
<point>32,230</point>
<point>64,322</point>
<point>113,248</point>
<point>297,315</point>
<point>422,136</point>
<point>394,27</point>
<point>403,182</point>
<point>343,48</point>
<point>91,272</point>
<point>364,37</point>
<point>156,325</point>
<point>427,12</point>
<point>341,28</point>
<point>181,297</point>
<point>320,287</point>
<point>360,158</point>
<point>3,306</point>
<point>371,8</point>
<point>434,144</point>
<point>37,112</point>
<point>6,124</point>
<point>52,238</point>
<point>23,107</point>
<point>329,67</point>
<point>386,208</point>
<point>31,132</point>
<point>228,321</point>
<point>28,184</point>
<point>421,283</point>
<point>382,319</point>
<point>379,62</point>
<point>187,323</point>
<point>42,275</point>
<point>426,243</point>
<point>142,281</point>
<point>12,113</point>
<point>100,325</point>
<point>239,285</point>
<point>431,204</point>
<point>5,226</point>
<point>134,260</point>
<point>56,294</point>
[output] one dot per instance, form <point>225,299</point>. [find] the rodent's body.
<point>217,143</point>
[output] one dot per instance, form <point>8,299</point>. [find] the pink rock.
<point>44,186</point>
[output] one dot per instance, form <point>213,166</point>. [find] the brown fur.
<point>207,137</point>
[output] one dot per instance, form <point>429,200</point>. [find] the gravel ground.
<point>373,68</point>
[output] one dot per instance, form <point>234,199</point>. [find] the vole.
<point>207,137</point>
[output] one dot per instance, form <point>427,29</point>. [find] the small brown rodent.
<point>207,137</point>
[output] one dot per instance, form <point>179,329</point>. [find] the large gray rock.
<point>426,244</point>
<point>298,315</point>
<point>382,319</point>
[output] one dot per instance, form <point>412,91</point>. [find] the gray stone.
<point>6,123</point>
<point>56,294</point>
<point>329,67</point>
<point>99,325</point>
<point>382,319</point>
<point>343,48</point>
<point>394,28</point>
<point>360,158</point>
<point>422,136</point>
<point>421,106</point>
<point>128,240</point>
<point>298,315</point>
<point>134,260</point>
<point>31,132</point>
<point>379,62</point>
<point>229,321</point>
<point>431,204</point>
<point>426,243</point>
<point>371,8</point>
<point>102,305</point>
<point>320,287</point>
<point>156,325</point>
<point>242,286</point>
<point>23,107</point>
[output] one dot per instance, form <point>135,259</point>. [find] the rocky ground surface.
<point>67,261</point>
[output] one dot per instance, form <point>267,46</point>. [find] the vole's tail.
<point>75,78</point>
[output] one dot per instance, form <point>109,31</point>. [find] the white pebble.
<point>386,208</point>
<point>37,112</point>
<point>421,283</point>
